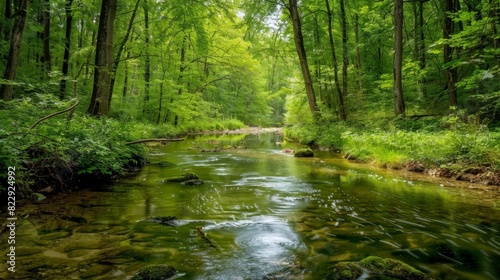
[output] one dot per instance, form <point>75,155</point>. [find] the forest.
<point>401,84</point>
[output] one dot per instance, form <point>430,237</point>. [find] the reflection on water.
<point>264,213</point>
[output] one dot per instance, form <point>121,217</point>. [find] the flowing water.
<point>264,213</point>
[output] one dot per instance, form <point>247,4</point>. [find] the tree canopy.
<point>188,63</point>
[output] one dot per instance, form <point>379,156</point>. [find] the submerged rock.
<point>304,153</point>
<point>155,272</point>
<point>192,182</point>
<point>347,271</point>
<point>166,220</point>
<point>392,268</point>
<point>163,164</point>
<point>182,178</point>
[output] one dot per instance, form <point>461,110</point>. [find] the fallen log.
<point>155,140</point>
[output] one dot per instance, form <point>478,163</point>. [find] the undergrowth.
<point>454,141</point>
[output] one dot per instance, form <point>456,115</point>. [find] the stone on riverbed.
<point>376,265</point>
<point>166,220</point>
<point>186,179</point>
<point>304,153</point>
<point>155,272</point>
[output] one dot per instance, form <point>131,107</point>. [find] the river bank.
<point>455,155</point>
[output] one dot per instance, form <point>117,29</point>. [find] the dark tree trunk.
<point>301,52</point>
<point>103,60</point>
<point>340,97</point>
<point>358,54</point>
<point>399,105</point>
<point>67,47</point>
<point>450,72</point>
<point>8,16</point>
<point>182,68</point>
<point>345,58</point>
<point>7,91</point>
<point>147,65</point>
<point>46,36</point>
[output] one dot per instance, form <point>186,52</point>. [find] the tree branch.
<point>52,115</point>
<point>155,140</point>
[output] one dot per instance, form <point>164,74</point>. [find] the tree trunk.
<point>450,73</point>
<point>423,80</point>
<point>8,16</point>
<point>103,60</point>
<point>67,47</point>
<point>399,105</point>
<point>147,65</point>
<point>301,52</point>
<point>340,97</point>
<point>358,54</point>
<point>182,68</point>
<point>120,50</point>
<point>345,59</point>
<point>7,91</point>
<point>46,37</point>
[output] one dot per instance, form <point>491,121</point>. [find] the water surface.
<point>266,213</point>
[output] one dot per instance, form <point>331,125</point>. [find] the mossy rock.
<point>165,220</point>
<point>163,164</point>
<point>392,268</point>
<point>182,178</point>
<point>155,272</point>
<point>193,182</point>
<point>374,264</point>
<point>304,153</point>
<point>346,271</point>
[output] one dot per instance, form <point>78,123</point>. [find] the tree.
<point>67,46</point>
<point>399,104</point>
<point>340,97</point>
<point>301,52</point>
<point>451,73</point>
<point>7,91</point>
<point>103,60</point>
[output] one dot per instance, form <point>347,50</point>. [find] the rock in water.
<point>304,153</point>
<point>182,178</point>
<point>166,220</point>
<point>155,272</point>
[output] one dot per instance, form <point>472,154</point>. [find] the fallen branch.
<point>204,236</point>
<point>52,115</point>
<point>155,140</point>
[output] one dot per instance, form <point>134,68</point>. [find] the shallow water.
<point>265,213</point>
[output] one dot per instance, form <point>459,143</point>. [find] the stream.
<point>267,213</point>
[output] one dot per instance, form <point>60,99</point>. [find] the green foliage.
<point>61,150</point>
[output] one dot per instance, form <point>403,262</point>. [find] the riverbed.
<point>264,212</point>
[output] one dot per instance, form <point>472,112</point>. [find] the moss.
<point>155,272</point>
<point>304,153</point>
<point>374,264</point>
<point>346,271</point>
<point>181,178</point>
<point>392,268</point>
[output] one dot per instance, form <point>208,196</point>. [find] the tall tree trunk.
<point>340,97</point>
<point>450,73</point>
<point>7,91</point>
<point>120,50</point>
<point>8,16</point>
<point>358,54</point>
<point>399,104</point>
<point>67,47</point>
<point>345,58</point>
<point>147,65</point>
<point>182,68</point>
<point>423,80</point>
<point>46,36</point>
<point>103,60</point>
<point>301,52</point>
